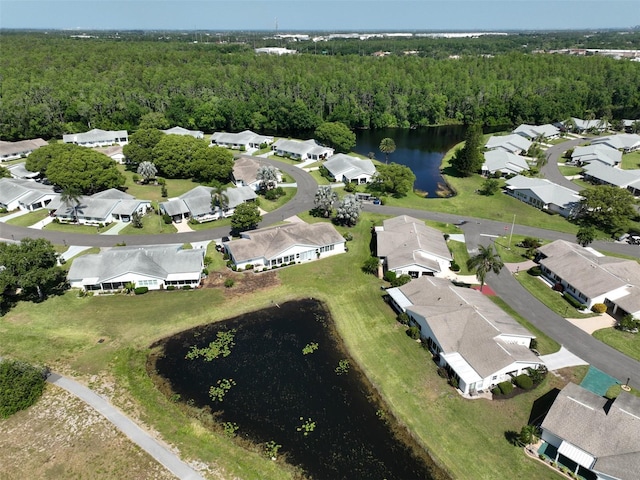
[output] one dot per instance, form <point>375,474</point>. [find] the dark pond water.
<point>420,149</point>
<point>276,385</point>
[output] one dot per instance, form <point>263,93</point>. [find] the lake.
<point>288,379</point>
<point>420,149</point>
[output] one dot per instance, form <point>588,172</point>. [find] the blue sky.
<point>388,15</point>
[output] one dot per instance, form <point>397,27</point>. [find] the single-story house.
<point>245,171</point>
<point>16,193</point>
<point>596,153</point>
<point>98,138</point>
<point>22,148</point>
<point>155,267</point>
<point>196,204</point>
<point>605,175</point>
<point>535,132</point>
<point>586,125</point>
<point>301,150</point>
<point>406,246</point>
<point>629,124</point>
<point>594,433</point>
<point>504,162</point>
<point>285,244</point>
<point>474,339</point>
<point>348,169</point>
<point>245,140</point>
<point>100,208</point>
<point>513,143</point>
<point>591,277</point>
<point>18,170</point>
<point>114,152</point>
<point>275,51</point>
<point>184,131</point>
<point>625,142</point>
<point>543,194</point>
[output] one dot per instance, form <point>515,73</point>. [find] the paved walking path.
<point>141,438</point>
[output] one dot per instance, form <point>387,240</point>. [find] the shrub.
<point>524,381</point>
<point>574,302</point>
<point>229,282</point>
<point>248,266</point>
<point>530,242</point>
<point>21,385</point>
<point>389,276</point>
<point>401,280</point>
<point>535,271</point>
<point>186,287</point>
<point>403,318</point>
<point>505,387</point>
<point>171,287</point>
<point>167,219</point>
<point>348,236</point>
<point>140,290</point>
<point>205,271</point>
<point>454,267</point>
<point>599,308</point>
<point>414,332</point>
<point>496,391</point>
<point>537,374</point>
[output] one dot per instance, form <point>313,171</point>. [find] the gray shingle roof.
<point>18,170</point>
<point>23,147</point>
<point>270,242</point>
<point>593,275</point>
<point>11,189</point>
<point>184,131</point>
<point>155,261</point>
<point>609,432</point>
<point>506,162</point>
<point>242,138</point>
<point>601,153</point>
<point>308,147</point>
<point>510,143</point>
<point>465,321</point>
<point>350,167</point>
<point>535,131</point>
<point>245,169</point>
<point>622,141</point>
<point>548,192</point>
<point>613,176</point>
<point>95,136</point>
<point>406,240</point>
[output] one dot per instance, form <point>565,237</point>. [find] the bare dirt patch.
<point>243,282</point>
<point>62,437</point>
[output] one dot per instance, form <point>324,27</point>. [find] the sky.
<point>310,15</point>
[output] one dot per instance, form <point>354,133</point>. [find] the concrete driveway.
<point>561,359</point>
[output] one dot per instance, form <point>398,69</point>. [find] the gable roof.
<point>499,160</point>
<point>602,153</point>
<point>535,131</point>
<point>22,147</point>
<point>589,124</point>
<point>242,138</point>
<point>12,189</point>
<point>613,176</point>
<point>622,141</point>
<point>95,135</point>
<point>183,131</point>
<point>18,170</point>
<point>510,143</point>
<point>245,169</point>
<point>588,271</point>
<point>350,167</point>
<point>299,147</point>
<point>548,192</point>
<point>406,240</point>
<point>154,261</point>
<point>606,430</point>
<point>465,322</point>
<point>270,242</point>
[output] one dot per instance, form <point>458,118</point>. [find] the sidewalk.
<point>19,213</point>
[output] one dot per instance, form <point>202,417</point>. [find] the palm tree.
<point>148,170</point>
<point>485,261</point>
<point>71,196</point>
<point>219,199</point>
<point>267,175</point>
<point>387,146</point>
<point>324,199</point>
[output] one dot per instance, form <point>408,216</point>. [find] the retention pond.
<point>282,375</point>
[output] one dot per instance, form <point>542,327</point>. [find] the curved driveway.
<point>550,169</point>
<point>587,347</point>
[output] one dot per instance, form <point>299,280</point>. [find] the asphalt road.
<point>141,438</point>
<point>550,169</point>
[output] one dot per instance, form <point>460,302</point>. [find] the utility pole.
<point>511,234</point>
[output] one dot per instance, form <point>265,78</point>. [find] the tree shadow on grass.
<point>512,437</point>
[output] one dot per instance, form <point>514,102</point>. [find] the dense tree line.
<point>55,85</point>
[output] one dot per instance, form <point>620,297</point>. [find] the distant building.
<point>98,138</point>
<point>348,169</point>
<point>596,153</point>
<point>535,132</point>
<point>504,162</point>
<point>184,131</point>
<point>197,204</point>
<point>275,51</point>
<point>543,194</point>
<point>14,150</point>
<point>245,140</point>
<point>513,143</point>
<point>301,150</point>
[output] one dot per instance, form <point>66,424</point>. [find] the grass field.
<point>77,228</point>
<point>512,253</point>
<point>625,342</point>
<point>152,224</point>
<point>460,256</point>
<point>552,299</point>
<point>630,161</point>
<point>468,437</point>
<point>175,187</point>
<point>30,218</point>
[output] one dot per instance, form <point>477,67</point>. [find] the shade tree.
<point>246,216</point>
<point>336,135</point>
<point>394,178</point>
<point>324,199</point>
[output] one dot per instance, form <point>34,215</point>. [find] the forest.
<point>53,84</point>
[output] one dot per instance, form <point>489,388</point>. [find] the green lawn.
<point>468,437</point>
<point>175,187</point>
<point>625,342</point>
<point>552,299</point>
<point>569,170</point>
<point>460,256</point>
<point>512,253</point>
<point>271,205</point>
<point>499,207</point>
<point>152,224</point>
<point>546,344</point>
<point>319,178</point>
<point>631,161</point>
<point>77,228</point>
<point>223,222</point>
<point>30,218</point>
